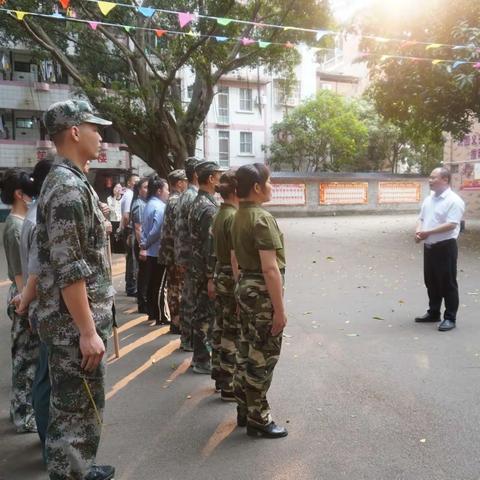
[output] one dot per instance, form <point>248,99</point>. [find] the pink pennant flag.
<point>185,18</point>
<point>477,66</point>
<point>247,41</point>
<point>93,25</point>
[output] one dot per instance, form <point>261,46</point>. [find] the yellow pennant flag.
<point>433,45</point>
<point>436,62</point>
<point>20,15</point>
<point>106,7</point>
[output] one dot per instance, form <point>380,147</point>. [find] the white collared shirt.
<point>436,210</point>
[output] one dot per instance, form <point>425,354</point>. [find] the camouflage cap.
<point>190,164</point>
<point>177,175</point>
<point>70,113</point>
<point>209,167</point>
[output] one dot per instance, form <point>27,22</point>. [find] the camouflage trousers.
<point>25,351</point>
<point>73,432</point>
<point>174,292</point>
<point>258,350</point>
<point>226,329</point>
<point>187,305</point>
<point>203,318</point>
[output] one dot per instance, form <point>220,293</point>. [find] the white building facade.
<point>237,130</point>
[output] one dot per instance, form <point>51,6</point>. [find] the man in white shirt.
<point>130,280</point>
<point>438,226</point>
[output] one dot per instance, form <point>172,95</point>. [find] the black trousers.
<point>440,273</point>
<point>141,280</point>
<point>157,291</point>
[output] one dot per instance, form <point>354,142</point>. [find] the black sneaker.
<point>101,472</point>
<point>227,396</point>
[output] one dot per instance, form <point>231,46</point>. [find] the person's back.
<point>182,244</point>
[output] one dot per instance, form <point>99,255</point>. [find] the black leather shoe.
<point>267,431</point>
<point>101,472</point>
<point>427,318</point>
<point>446,325</point>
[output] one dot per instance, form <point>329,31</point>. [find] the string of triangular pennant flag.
<point>20,15</point>
<point>185,18</point>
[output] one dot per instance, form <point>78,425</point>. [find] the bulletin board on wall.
<point>469,176</point>
<point>399,192</point>
<point>288,194</point>
<point>343,193</point>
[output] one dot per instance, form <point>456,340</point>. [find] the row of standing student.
<point>232,295</point>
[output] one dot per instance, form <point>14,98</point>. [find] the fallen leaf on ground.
<point>423,440</point>
<point>189,396</point>
<point>378,318</point>
<point>307,313</point>
<point>352,334</point>
<point>329,258</point>
<point>287,336</point>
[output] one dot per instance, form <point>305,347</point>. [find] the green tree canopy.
<point>323,134</point>
<point>131,76</point>
<point>423,98</point>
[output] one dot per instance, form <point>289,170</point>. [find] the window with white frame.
<point>246,100</point>
<point>224,148</point>
<point>287,93</point>
<point>223,105</point>
<point>246,143</point>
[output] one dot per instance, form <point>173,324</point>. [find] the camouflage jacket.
<point>203,210</point>
<point>166,254</point>
<point>182,245</point>
<point>72,245</point>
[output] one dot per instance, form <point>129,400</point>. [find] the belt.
<point>441,243</point>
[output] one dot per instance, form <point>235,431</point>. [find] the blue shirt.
<point>152,226</point>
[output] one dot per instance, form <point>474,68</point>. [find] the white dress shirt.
<point>436,210</point>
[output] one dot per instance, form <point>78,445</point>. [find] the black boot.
<point>267,431</point>
<point>101,472</point>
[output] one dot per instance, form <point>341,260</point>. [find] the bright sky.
<point>344,9</point>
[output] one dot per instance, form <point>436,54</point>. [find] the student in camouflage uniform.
<point>259,248</point>
<point>183,253</point>
<point>202,212</point>
<point>226,328</point>
<point>166,256</point>
<point>27,302</point>
<point>75,295</point>
<point>17,191</point>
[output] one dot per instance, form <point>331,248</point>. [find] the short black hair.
<point>445,173</point>
<point>248,175</point>
<point>16,179</point>
<point>154,184</point>
<point>203,176</point>
<point>40,172</point>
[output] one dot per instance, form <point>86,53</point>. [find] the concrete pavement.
<point>365,392</point>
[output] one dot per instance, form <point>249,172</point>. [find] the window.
<point>21,67</point>
<point>224,148</point>
<point>24,123</point>
<point>223,105</point>
<point>246,143</point>
<point>189,92</point>
<point>287,93</point>
<point>246,103</point>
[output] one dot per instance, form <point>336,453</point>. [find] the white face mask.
<point>28,200</point>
